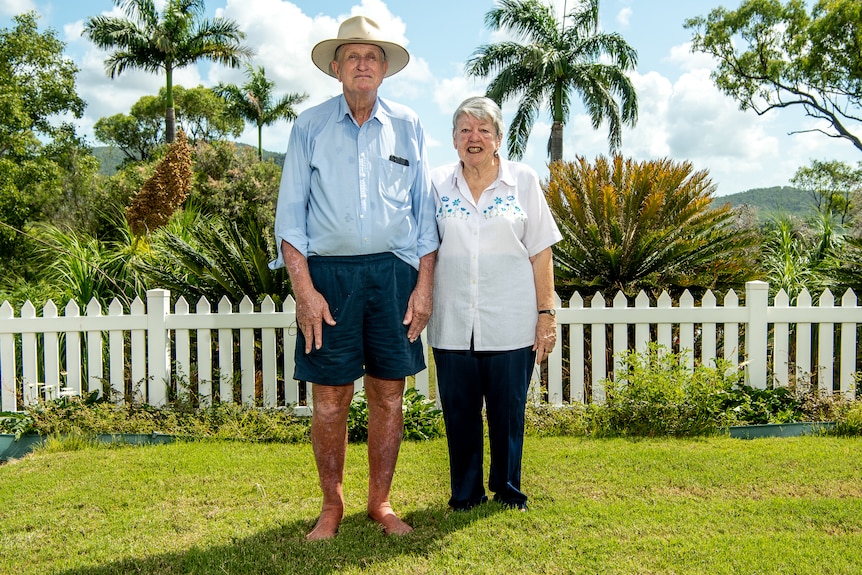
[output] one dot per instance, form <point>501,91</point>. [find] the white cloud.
<point>624,17</point>
<point>14,7</point>
<point>682,56</point>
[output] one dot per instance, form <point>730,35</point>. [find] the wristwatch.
<point>550,312</point>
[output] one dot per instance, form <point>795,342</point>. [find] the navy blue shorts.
<point>368,297</point>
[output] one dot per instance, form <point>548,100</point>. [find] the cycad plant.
<point>213,257</point>
<point>649,225</point>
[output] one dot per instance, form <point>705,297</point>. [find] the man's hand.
<point>418,312</point>
<point>422,299</point>
<point>312,310</point>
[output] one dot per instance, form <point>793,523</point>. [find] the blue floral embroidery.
<point>451,209</point>
<point>511,208</point>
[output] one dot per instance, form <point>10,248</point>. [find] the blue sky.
<point>682,114</point>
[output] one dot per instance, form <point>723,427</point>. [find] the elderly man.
<point>356,229</point>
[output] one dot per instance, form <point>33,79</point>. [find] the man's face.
<point>360,67</point>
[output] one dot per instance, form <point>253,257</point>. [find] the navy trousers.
<point>466,379</point>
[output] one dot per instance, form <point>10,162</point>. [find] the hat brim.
<point>323,54</point>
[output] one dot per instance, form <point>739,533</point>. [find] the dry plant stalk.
<point>165,191</point>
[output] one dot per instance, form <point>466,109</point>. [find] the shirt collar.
<point>377,113</point>
<point>505,174</point>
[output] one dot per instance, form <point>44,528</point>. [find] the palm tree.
<point>552,63</point>
<point>253,102</point>
<point>648,226</point>
<point>176,38</point>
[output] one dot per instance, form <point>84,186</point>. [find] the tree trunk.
<point>170,115</point>
<point>556,144</point>
<point>170,125</point>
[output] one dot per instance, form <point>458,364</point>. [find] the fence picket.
<point>204,346</point>
<point>848,347</point>
<point>29,361</point>
<point>116,352</point>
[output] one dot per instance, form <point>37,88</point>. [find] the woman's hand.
<point>546,337</point>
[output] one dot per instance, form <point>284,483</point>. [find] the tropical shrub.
<point>655,394</point>
<point>648,225</point>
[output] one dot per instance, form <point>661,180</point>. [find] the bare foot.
<point>392,525</point>
<point>327,523</point>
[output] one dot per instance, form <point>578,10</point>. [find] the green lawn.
<point>710,506</point>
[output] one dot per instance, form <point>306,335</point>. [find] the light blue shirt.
<point>350,190</point>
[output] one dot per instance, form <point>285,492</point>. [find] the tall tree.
<point>773,55</point>
<point>552,61</point>
<point>253,102</point>
<point>37,88</point>
<point>835,188</point>
<point>154,42</point>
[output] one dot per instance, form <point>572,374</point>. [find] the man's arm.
<point>312,309</point>
<point>421,300</point>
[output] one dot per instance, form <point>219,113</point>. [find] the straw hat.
<point>359,30</point>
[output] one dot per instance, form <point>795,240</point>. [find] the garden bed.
<point>11,448</point>
<point>794,429</point>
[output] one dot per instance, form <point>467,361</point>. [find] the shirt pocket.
<point>396,180</point>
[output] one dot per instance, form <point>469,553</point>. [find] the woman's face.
<point>476,141</point>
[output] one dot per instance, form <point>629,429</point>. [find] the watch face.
<point>550,312</point>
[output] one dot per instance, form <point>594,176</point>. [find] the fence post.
<point>158,346</point>
<point>756,302</point>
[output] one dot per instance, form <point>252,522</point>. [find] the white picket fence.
<point>153,353</point>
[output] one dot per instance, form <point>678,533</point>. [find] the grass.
<point>613,506</point>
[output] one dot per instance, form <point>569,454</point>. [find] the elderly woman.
<point>493,303</point>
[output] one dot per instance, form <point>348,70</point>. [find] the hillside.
<point>768,201</point>
<point>110,158</point>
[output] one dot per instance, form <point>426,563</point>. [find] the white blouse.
<point>483,279</point>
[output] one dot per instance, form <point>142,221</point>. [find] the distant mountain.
<point>110,158</point>
<point>769,201</point>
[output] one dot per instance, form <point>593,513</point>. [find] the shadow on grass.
<point>360,543</point>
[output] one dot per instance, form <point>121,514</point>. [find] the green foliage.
<point>231,182</point>
<point>648,225</point>
<point>202,115</point>
<point>833,187</point>
<point>357,419</point>
<point>542,420</point>
<point>549,63</point>
<point>213,256</point>
<point>422,420</point>
<point>92,415</point>
<point>136,134</point>
<point>42,163</point>
<point>851,423</point>
<point>37,85</point>
<point>757,406</point>
<point>654,394</point>
<point>81,267</point>
<point>795,257</point>
<point>775,55</point>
